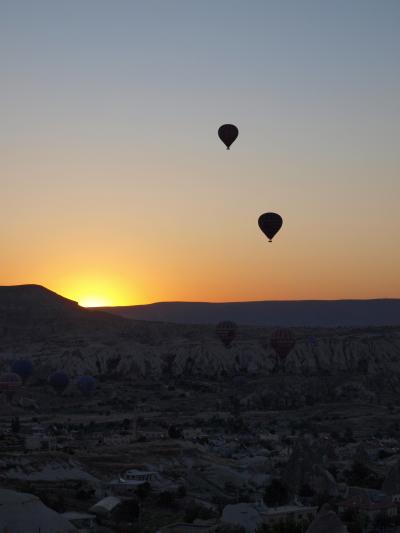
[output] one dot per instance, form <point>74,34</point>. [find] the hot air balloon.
<point>22,367</point>
<point>10,382</point>
<point>59,381</point>
<point>226,331</point>
<point>270,224</point>
<point>282,342</point>
<point>228,134</point>
<point>86,385</point>
<point>312,340</point>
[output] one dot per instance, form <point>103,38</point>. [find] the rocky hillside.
<point>57,333</point>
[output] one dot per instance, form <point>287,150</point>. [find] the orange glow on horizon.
<point>93,301</point>
<point>95,291</point>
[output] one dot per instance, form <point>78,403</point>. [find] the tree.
<point>126,424</point>
<point>276,494</point>
<point>348,435</point>
<point>166,499</point>
<point>306,491</point>
<point>143,491</point>
<point>15,425</point>
<point>381,521</point>
<point>127,511</point>
<point>181,492</point>
<point>174,432</point>
<point>194,511</point>
<point>362,476</point>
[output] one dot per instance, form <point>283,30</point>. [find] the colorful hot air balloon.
<point>226,332</point>
<point>59,381</point>
<point>86,385</point>
<point>10,382</point>
<point>270,224</point>
<point>228,134</point>
<point>282,342</point>
<point>22,367</point>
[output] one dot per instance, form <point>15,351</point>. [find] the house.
<point>369,502</point>
<point>251,515</point>
<point>127,483</point>
<point>198,526</point>
<point>106,506</point>
<point>151,434</point>
<point>297,513</point>
<point>326,520</point>
<point>245,515</point>
<point>142,476</point>
<point>84,522</point>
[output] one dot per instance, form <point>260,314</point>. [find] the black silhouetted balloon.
<point>86,385</point>
<point>226,332</point>
<point>282,342</point>
<point>22,367</point>
<point>228,134</point>
<point>59,381</point>
<point>270,224</point>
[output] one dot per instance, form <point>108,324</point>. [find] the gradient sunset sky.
<point>115,188</point>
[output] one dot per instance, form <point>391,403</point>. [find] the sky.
<point>116,190</point>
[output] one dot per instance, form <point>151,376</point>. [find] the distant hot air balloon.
<point>86,385</point>
<point>282,342</point>
<point>226,331</point>
<point>59,381</point>
<point>270,224</point>
<point>22,367</point>
<point>312,340</point>
<point>228,134</point>
<point>10,382</point>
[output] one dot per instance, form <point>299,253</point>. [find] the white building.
<point>142,476</point>
<point>251,515</point>
<point>297,513</point>
<point>106,506</point>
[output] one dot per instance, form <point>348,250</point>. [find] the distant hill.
<point>33,309</point>
<point>305,313</point>
<point>31,295</point>
<point>34,313</point>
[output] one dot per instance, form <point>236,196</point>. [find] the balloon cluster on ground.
<point>22,370</point>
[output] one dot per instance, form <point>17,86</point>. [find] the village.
<point>187,455</point>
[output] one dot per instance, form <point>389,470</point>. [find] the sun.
<point>95,290</point>
<point>93,301</point>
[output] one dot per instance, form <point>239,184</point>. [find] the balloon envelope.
<point>86,385</point>
<point>282,342</point>
<point>270,224</point>
<point>226,332</point>
<point>9,382</point>
<point>59,381</point>
<point>228,133</point>
<point>22,367</point>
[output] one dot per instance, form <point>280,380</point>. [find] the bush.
<point>194,512</point>
<point>276,494</point>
